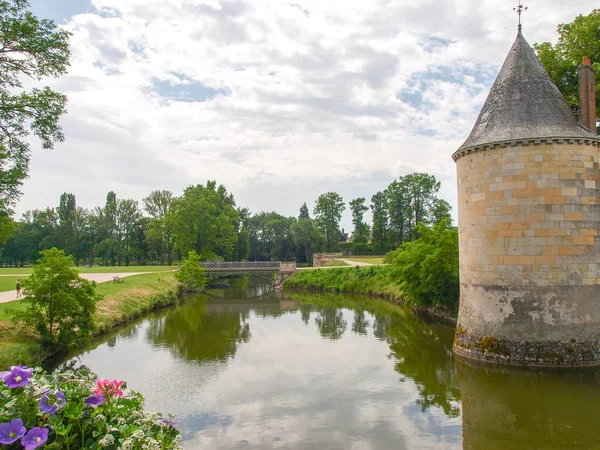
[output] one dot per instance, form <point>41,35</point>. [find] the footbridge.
<point>282,270</point>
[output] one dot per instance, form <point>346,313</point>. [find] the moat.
<point>247,367</point>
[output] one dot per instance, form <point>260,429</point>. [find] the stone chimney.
<point>587,95</point>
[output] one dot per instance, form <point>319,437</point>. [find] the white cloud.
<point>280,101</point>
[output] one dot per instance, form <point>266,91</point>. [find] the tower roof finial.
<point>520,9</point>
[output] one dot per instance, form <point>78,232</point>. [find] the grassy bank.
<point>121,303</point>
<point>367,259</point>
<point>373,280</point>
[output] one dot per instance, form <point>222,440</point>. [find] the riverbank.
<point>121,303</point>
<point>374,281</point>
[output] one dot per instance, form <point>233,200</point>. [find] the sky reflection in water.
<point>245,369</point>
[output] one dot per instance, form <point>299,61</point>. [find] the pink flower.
<point>107,388</point>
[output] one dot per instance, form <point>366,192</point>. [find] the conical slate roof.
<point>524,103</point>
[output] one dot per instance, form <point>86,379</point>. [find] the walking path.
<point>347,261</point>
<point>10,296</point>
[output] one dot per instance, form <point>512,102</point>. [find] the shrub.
<point>61,305</point>
<point>73,410</point>
<point>191,274</point>
<point>427,269</point>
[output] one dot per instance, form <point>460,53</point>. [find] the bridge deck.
<point>249,266</point>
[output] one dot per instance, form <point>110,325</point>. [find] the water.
<point>249,368</point>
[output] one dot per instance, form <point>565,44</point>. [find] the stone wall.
<point>530,254</point>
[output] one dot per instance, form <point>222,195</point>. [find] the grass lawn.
<point>120,302</point>
<point>367,259</point>
<point>17,304</point>
<point>134,285</point>
<point>335,263</point>
<point>8,283</point>
<point>95,269</point>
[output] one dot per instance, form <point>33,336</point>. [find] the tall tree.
<point>159,233</point>
<point>361,229</point>
<point>306,238</point>
<point>398,212</point>
<point>304,212</point>
<point>380,223</point>
<point>576,39</point>
<point>205,220</point>
<point>30,48</point>
<point>421,191</point>
<point>328,214</point>
<point>67,216</point>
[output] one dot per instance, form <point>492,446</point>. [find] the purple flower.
<point>51,402</point>
<point>11,431</point>
<point>168,423</point>
<point>17,377</point>
<point>94,400</point>
<point>36,437</point>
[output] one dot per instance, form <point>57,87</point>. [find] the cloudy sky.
<point>278,100</point>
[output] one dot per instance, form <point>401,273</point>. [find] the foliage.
<point>30,48</point>
<point>328,213</point>
<point>191,274</point>
<point>159,232</point>
<point>270,236</point>
<point>205,220</point>
<point>361,229</point>
<point>306,238</point>
<point>380,231</point>
<point>61,305</point>
<point>427,269</point>
<point>373,280</point>
<point>73,410</point>
<point>304,212</point>
<point>576,39</point>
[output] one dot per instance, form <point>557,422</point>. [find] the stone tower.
<point>529,215</point>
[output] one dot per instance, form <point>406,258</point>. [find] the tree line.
<point>205,219</point>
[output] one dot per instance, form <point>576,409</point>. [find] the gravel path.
<point>9,296</point>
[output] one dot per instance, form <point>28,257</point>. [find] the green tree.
<point>30,48</point>
<point>328,213</point>
<point>576,39</point>
<point>380,223</point>
<point>271,237</point>
<point>427,269</point>
<point>191,274</point>
<point>61,305</point>
<point>304,212</point>
<point>242,246</point>
<point>205,220</point>
<point>440,211</point>
<point>361,229</point>
<point>305,237</point>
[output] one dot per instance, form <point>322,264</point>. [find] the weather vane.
<point>519,9</point>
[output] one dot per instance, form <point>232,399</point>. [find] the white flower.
<point>127,444</point>
<point>137,435</point>
<point>152,444</point>
<point>107,441</point>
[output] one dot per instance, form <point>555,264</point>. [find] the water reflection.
<point>258,368</point>
<point>194,333</point>
<point>520,408</point>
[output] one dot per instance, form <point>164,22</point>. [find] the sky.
<point>278,100</point>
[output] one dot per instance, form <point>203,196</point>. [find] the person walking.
<point>18,287</point>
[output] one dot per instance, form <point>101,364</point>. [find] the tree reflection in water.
<point>331,323</point>
<point>422,348</point>
<point>193,333</point>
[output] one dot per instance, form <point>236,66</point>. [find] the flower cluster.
<point>71,409</point>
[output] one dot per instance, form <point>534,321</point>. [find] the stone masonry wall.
<point>529,217</point>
